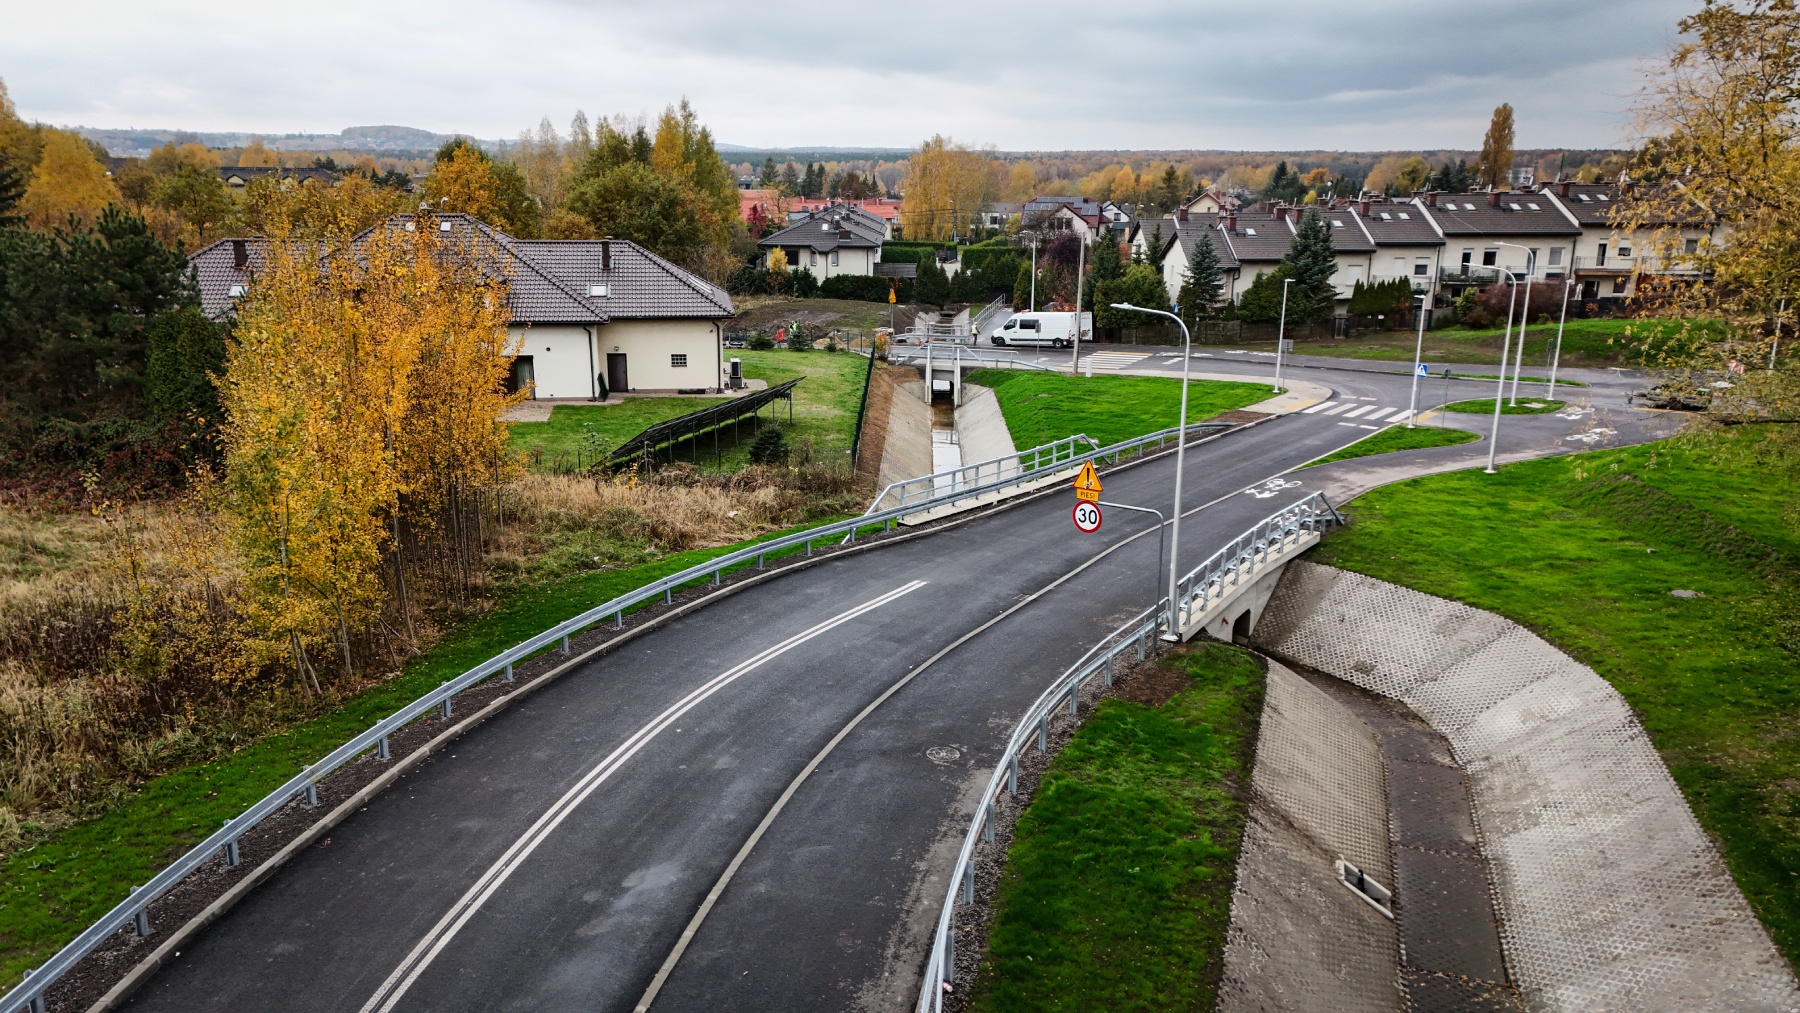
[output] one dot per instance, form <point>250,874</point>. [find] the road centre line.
<point>427,949</point>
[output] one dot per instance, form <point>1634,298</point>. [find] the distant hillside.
<point>382,139</point>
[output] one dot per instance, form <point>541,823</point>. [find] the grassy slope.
<point>1585,343</point>
<point>1117,889</point>
<point>825,407</point>
<point>50,892</point>
<point>1398,438</point>
<point>1716,680</point>
<point>1041,408</point>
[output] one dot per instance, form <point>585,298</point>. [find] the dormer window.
<point>444,226</point>
<point>235,291</point>
<point>600,291</point>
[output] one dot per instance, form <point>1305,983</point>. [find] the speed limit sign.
<point>1087,517</point>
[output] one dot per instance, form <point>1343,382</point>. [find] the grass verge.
<point>50,892</point>
<point>1042,408</point>
<point>1529,406</point>
<point>593,431</point>
<point>1584,550</point>
<point>1607,342</point>
<point>1398,438</point>
<point>1117,889</point>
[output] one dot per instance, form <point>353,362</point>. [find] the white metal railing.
<point>1244,555</point>
<point>222,845</point>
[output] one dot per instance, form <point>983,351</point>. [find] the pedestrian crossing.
<point>1113,360</point>
<point>1362,410</point>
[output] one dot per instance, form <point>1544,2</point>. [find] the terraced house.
<point>588,315</point>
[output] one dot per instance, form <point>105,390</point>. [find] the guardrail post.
<point>716,572</point>
<point>987,826</point>
<point>565,650</point>
<point>949,971</point>
<point>141,921</point>
<point>312,796</point>
<point>969,883</point>
<point>1140,640</point>
<point>446,707</point>
<point>508,677</point>
<point>381,749</point>
<point>1109,668</point>
<point>36,1005</point>
<point>619,620</point>
<point>668,596</point>
<point>1012,775</point>
<point>232,858</point>
<point>809,546</point>
<point>1044,733</point>
<point>1074,692</point>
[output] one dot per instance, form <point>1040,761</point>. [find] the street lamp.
<point>1505,347</point>
<point>1556,356</point>
<point>1281,332</point>
<point>1187,357</point>
<point>1525,318</point>
<point>1412,407</point>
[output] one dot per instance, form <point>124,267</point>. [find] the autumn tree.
<point>467,181</point>
<point>68,181</point>
<point>313,209</point>
<point>256,154</point>
<point>363,399</point>
<point>198,200</point>
<point>1494,166</point>
<point>1399,175</point>
<point>946,185</point>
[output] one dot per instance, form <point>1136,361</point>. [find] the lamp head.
<point>1123,306</point>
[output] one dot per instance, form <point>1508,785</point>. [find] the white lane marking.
<point>1321,406</point>
<point>1377,413</point>
<point>1339,408</point>
<point>1403,416</point>
<point>1368,427</point>
<point>1113,360</point>
<point>1368,399</point>
<point>459,914</point>
<point>1350,424</point>
<point>1358,410</point>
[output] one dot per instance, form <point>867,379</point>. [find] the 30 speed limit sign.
<point>1087,517</point>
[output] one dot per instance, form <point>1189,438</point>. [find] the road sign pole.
<point>1418,353</point>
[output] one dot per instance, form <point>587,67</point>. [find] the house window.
<point>1531,259</point>
<point>678,360</point>
<point>834,255</point>
<point>1624,251</point>
<point>1468,258</point>
<point>1421,268</point>
<point>1490,258</point>
<point>812,256</point>
<point>1556,256</point>
<point>1618,286</point>
<point>1691,246</point>
<point>1600,255</point>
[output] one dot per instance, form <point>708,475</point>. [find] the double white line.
<point>421,956</point>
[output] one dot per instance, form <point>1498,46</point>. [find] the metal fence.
<point>223,844</point>
<point>1211,579</point>
<point>669,432</point>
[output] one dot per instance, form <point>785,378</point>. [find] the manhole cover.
<point>943,756</point>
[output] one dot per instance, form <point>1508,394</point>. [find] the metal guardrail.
<point>223,844</point>
<point>992,360</point>
<point>694,423</point>
<point>1211,579</point>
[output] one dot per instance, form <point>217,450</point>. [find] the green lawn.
<point>1398,438</point>
<point>1526,406</point>
<point>825,407</point>
<point>50,892</point>
<point>1117,889</point>
<point>1584,550</point>
<point>1585,343</point>
<point>1042,408</point>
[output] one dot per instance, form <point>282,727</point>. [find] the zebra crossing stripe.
<point>1339,408</point>
<point>1377,413</point>
<point>1321,406</point>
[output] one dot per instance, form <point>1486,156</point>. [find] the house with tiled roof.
<point>1407,245</point>
<point>584,311</point>
<point>885,210</point>
<point>838,239</point>
<point>1607,255</point>
<point>1520,231</point>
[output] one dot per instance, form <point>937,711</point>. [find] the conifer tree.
<point>1199,295</point>
<point>1310,261</point>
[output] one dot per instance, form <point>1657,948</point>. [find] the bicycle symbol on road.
<point>1269,488</point>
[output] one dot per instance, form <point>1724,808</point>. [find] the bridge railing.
<point>1242,555</point>
<point>223,844</point>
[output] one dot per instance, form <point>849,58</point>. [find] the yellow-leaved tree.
<point>363,397</point>
<point>68,180</point>
<point>946,186</point>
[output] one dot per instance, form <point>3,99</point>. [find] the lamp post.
<point>1031,307</point>
<point>1075,356</point>
<point>1187,357</point>
<point>1556,356</point>
<point>1412,407</point>
<point>1505,347</point>
<point>1281,332</point>
<point>1524,319</point>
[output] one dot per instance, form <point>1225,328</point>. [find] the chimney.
<point>606,254</point>
<point>1181,214</point>
<point>1231,221</point>
<point>240,254</point>
<point>1362,208</point>
<point>1562,187</point>
<point>1430,198</point>
<point>1493,198</point>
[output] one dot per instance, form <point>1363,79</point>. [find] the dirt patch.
<point>875,424</point>
<point>1238,416</point>
<point>1155,683</point>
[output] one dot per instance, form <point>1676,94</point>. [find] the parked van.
<point>1054,329</point>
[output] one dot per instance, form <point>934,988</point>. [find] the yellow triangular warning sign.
<point>1087,483</point>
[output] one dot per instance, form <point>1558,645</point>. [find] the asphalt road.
<point>553,857</point>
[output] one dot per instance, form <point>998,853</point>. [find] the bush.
<point>753,280</point>
<point>799,339</point>
<point>760,343</point>
<point>769,447</point>
<point>806,286</point>
<point>864,287</point>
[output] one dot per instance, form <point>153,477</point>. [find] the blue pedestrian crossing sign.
<point>1421,369</point>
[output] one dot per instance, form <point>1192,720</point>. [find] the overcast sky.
<point>1370,74</point>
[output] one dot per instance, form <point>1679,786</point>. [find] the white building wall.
<point>860,261</point>
<point>562,358</point>
<point>649,344</point>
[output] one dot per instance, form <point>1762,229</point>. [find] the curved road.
<point>553,857</point>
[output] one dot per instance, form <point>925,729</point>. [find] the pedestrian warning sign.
<point>1087,484</point>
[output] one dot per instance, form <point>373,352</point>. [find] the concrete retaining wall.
<point>1610,894</point>
<point>907,452</point>
<point>1299,939</point>
<point>980,428</point>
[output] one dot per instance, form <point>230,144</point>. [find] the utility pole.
<point>1281,332</point>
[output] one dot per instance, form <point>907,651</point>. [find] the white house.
<point>835,240</point>
<point>1607,258</point>
<point>584,312</point>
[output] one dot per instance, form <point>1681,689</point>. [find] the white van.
<point>1054,329</point>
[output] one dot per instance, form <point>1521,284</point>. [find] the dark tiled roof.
<point>1204,229</point>
<point>1470,214</point>
<point>834,228</point>
<point>1399,224</point>
<point>548,281</point>
<point>1259,237</point>
<point>1347,235</point>
<point>1590,203</point>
